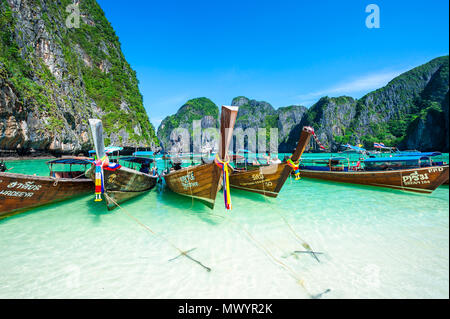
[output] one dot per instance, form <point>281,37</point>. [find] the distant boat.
<point>120,183</point>
<point>269,179</point>
<point>20,192</point>
<point>202,181</point>
<point>409,173</point>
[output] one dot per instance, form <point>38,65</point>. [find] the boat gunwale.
<point>375,172</point>
<point>44,178</point>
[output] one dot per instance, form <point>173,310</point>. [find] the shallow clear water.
<point>376,243</point>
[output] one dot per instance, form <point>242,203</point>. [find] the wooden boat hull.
<point>268,180</point>
<point>420,180</point>
<point>265,180</point>
<point>123,184</point>
<point>19,192</point>
<point>200,182</point>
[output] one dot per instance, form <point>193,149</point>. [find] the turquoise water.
<point>376,243</point>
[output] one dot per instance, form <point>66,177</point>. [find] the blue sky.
<point>282,52</point>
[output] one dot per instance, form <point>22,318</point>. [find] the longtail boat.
<point>20,192</point>
<point>202,181</point>
<point>409,173</point>
<point>269,179</point>
<point>117,182</point>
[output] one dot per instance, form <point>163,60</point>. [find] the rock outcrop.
<point>54,77</point>
<point>260,114</point>
<point>200,111</point>
<point>429,131</point>
<point>411,111</point>
<point>330,118</point>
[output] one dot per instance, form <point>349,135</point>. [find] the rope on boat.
<point>317,140</point>
<point>182,252</point>
<point>295,168</point>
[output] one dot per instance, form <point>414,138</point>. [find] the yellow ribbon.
<point>226,182</point>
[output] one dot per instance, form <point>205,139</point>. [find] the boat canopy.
<point>71,161</point>
<point>244,151</point>
<point>108,150</point>
<point>138,160</point>
<point>396,159</point>
<point>356,148</point>
<point>237,157</point>
<point>143,153</point>
<point>324,159</point>
<point>418,154</point>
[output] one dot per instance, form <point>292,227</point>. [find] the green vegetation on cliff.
<point>195,109</point>
<point>386,115</point>
<point>112,88</point>
<point>391,110</point>
<point>66,75</point>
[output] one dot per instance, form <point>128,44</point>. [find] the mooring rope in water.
<point>182,252</point>
<point>293,274</point>
<point>301,240</point>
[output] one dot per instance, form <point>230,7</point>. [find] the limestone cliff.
<point>198,109</point>
<point>53,78</point>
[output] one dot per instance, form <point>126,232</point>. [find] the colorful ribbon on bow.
<point>295,167</point>
<point>226,181</point>
<point>99,189</point>
<point>100,165</point>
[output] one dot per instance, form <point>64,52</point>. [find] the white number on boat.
<point>188,181</point>
<point>415,179</point>
<point>15,193</point>
<point>435,169</point>
<point>26,186</point>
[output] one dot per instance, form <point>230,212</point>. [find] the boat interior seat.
<point>68,174</point>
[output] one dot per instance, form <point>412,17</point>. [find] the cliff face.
<point>386,114</point>
<point>198,109</point>
<point>254,113</point>
<point>429,131</point>
<point>259,114</point>
<point>54,78</point>
<point>288,117</point>
<point>410,112</point>
<point>330,118</point>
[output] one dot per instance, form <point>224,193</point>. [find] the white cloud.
<point>362,84</point>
